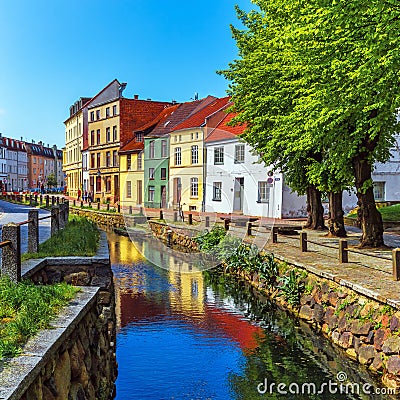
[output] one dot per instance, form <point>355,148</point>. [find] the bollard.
<point>74,202</point>
<point>90,204</point>
<point>81,204</point>
<point>11,255</point>
<point>207,222</point>
<point>33,231</point>
<point>190,219</point>
<point>40,199</point>
<point>108,206</point>
<point>47,201</point>
<point>248,228</point>
<point>396,264</point>
<point>61,218</point>
<point>130,210</point>
<point>175,216</point>
<point>36,201</point>
<point>303,242</point>
<point>98,205</point>
<point>119,209</point>
<point>274,234</point>
<point>226,224</point>
<point>57,200</point>
<point>169,237</point>
<point>141,210</point>
<point>53,200</point>
<point>161,214</point>
<point>343,253</point>
<point>55,222</point>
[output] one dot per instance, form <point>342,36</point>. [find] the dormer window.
<point>139,137</point>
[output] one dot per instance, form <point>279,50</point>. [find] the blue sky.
<point>53,52</point>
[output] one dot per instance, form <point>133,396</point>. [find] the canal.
<point>184,334</point>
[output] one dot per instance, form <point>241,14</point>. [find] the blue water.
<point>202,336</point>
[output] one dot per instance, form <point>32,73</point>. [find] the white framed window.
<point>194,187</point>
<point>263,192</point>
<point>150,195</point>
<point>195,154</point>
<point>114,133</point>
<point>218,156</point>
<point>151,173</point>
<point>379,191</point>
<point>128,189</point>
<point>108,134</point>
<point>178,156</point>
<point>239,153</point>
<point>164,148</point>
<point>152,152</point>
<point>139,161</point>
<point>217,191</point>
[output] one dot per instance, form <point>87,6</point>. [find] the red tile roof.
<point>132,147</point>
<point>208,107</point>
<point>223,131</point>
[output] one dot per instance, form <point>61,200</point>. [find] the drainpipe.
<point>203,203</point>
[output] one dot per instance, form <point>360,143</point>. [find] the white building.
<point>236,181</point>
<point>386,178</point>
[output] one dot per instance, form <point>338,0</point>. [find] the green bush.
<point>26,308</point>
<point>208,240</point>
<point>292,287</point>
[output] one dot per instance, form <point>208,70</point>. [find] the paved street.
<point>16,213</point>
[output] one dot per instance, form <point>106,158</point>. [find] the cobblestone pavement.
<point>10,212</point>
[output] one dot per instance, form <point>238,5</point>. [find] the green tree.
<point>319,78</point>
<point>51,180</point>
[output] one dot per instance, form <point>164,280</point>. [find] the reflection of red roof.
<point>223,131</point>
<point>198,118</point>
<point>236,328</point>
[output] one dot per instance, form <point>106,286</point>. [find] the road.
<point>10,212</point>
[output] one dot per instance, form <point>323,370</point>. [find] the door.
<point>163,196</point>
<point>238,193</point>
<point>139,192</point>
<point>116,188</point>
<point>177,192</point>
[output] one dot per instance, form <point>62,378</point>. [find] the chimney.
<point>22,139</point>
<point>33,142</point>
<point>136,96</point>
<point>148,99</point>
<point>40,142</point>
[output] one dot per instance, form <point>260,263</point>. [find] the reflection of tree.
<point>288,352</point>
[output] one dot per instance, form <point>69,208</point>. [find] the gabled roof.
<point>132,147</point>
<point>159,120</point>
<point>223,131</point>
<point>209,106</point>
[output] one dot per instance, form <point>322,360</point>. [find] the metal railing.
<point>11,237</point>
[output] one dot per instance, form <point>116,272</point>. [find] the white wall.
<point>281,204</point>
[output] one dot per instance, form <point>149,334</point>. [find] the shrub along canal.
<point>191,335</point>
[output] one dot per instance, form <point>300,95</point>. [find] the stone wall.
<point>75,359</point>
<point>368,331</point>
<point>101,218</point>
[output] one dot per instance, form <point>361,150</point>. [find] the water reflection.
<point>184,334</point>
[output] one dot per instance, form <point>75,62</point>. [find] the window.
<point>151,173</point>
<point>34,170</point>
<point>128,162</point>
<point>107,112</point>
<point>92,115</point>
<point>92,160</point>
<point>194,187</point>
<point>97,114</point>
<point>92,138</point>
<point>163,173</point>
<point>139,161</point>
<point>178,156</point>
<point>197,135</point>
<point>180,138</point>
<point>139,137</point>
<point>217,191</point>
<point>164,148</point>
<point>150,196</point>
<point>115,158</point>
<point>108,184</point>
<point>115,110</point>
<point>98,160</point>
<point>108,159</point>
<point>192,136</point>
<point>151,149</point>
<point>114,133</point>
<point>218,156</point>
<point>34,160</point>
<point>379,191</point>
<point>239,153</point>
<point>195,154</point>
<point>263,192</point>
<point>98,136</point>
<point>98,183</point>
<point>128,189</point>
<point>108,135</point>
<point>176,138</point>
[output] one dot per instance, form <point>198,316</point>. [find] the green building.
<point>156,153</point>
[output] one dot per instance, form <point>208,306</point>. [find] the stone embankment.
<point>75,358</point>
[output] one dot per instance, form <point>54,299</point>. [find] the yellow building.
<point>103,147</point>
<point>186,183</point>
<point>72,160</point>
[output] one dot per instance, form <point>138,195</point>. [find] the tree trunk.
<point>368,215</point>
<point>335,218</point>
<point>315,210</point>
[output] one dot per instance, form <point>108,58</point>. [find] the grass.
<point>389,213</point>
<point>26,308</point>
<point>79,238</point>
